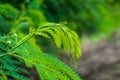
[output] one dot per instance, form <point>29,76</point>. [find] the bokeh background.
<point>97,23</point>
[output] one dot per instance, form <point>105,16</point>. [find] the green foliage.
<point>49,68</point>
<point>15,51</point>
<point>10,67</point>
<point>62,36</point>
<point>85,17</point>
<point>24,16</point>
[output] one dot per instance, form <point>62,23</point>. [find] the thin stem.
<point>11,54</point>
<point>3,54</point>
<point>6,54</point>
<point>26,38</point>
<point>16,56</point>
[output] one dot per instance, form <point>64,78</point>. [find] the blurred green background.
<point>88,18</point>
<point>84,16</point>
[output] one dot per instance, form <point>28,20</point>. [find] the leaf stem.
<point>26,38</point>
<point>6,54</point>
<point>11,54</point>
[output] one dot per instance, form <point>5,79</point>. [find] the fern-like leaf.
<point>62,36</point>
<point>9,65</point>
<point>48,67</point>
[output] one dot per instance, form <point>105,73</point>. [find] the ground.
<point>100,60</point>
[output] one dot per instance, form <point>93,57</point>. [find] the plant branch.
<point>26,38</point>
<point>6,54</point>
<point>11,54</point>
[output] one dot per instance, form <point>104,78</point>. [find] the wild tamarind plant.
<point>16,50</point>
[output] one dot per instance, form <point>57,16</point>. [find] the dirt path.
<point>100,61</point>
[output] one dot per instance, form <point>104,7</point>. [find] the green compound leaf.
<point>10,67</point>
<point>48,67</point>
<point>63,37</point>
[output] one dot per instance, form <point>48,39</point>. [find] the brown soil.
<point>100,61</point>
